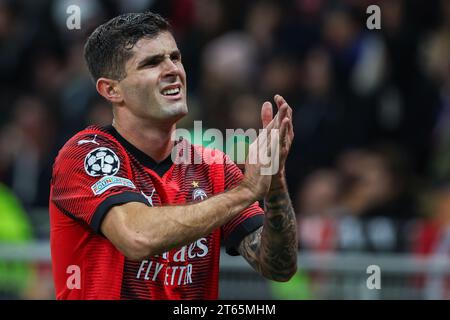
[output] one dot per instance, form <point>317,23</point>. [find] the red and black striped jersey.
<point>98,169</point>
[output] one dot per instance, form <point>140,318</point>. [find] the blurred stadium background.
<point>369,172</point>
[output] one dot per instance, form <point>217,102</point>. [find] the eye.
<point>176,57</point>
<point>152,63</point>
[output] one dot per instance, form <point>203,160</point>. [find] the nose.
<point>170,67</point>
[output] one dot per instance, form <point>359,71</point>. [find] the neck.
<point>152,139</point>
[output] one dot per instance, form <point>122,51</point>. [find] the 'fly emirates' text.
<point>159,266</point>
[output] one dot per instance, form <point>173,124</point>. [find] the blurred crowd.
<point>370,166</point>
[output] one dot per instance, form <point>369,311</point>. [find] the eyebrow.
<point>156,58</point>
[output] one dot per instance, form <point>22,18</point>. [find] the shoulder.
<point>88,139</point>
<point>90,136</point>
<point>94,141</point>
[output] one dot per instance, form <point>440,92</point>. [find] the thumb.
<point>266,113</point>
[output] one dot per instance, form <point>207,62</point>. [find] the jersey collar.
<point>159,168</point>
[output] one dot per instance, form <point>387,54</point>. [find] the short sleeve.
<point>247,221</point>
<point>91,174</point>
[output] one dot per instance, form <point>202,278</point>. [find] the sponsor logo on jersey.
<point>108,182</point>
<point>176,267</point>
<point>101,162</point>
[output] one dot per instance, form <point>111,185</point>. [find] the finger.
<point>281,106</point>
<point>266,113</point>
<point>263,140</point>
<point>280,102</point>
<point>283,111</point>
<point>284,130</point>
<point>263,143</point>
<point>274,142</point>
<point>256,147</point>
<point>282,114</point>
<point>291,130</point>
<point>273,123</point>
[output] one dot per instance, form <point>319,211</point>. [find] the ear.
<point>109,89</point>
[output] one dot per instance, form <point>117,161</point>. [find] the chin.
<point>177,111</point>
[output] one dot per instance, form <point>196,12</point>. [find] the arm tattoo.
<point>250,249</point>
<point>272,249</point>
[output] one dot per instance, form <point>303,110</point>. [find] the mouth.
<point>172,92</point>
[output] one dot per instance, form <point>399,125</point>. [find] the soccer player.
<point>130,221</point>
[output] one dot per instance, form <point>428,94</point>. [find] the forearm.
<point>147,231</point>
<point>279,236</point>
<point>272,250</point>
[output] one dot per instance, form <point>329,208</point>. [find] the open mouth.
<point>171,91</point>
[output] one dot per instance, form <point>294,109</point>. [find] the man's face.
<point>155,84</point>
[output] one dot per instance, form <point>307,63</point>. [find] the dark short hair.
<point>109,47</point>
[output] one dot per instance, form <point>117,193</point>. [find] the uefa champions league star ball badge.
<point>101,162</point>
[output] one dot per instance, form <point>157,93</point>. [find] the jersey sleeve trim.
<point>241,231</point>
<point>112,201</point>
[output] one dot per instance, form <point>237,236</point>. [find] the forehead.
<point>164,43</point>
